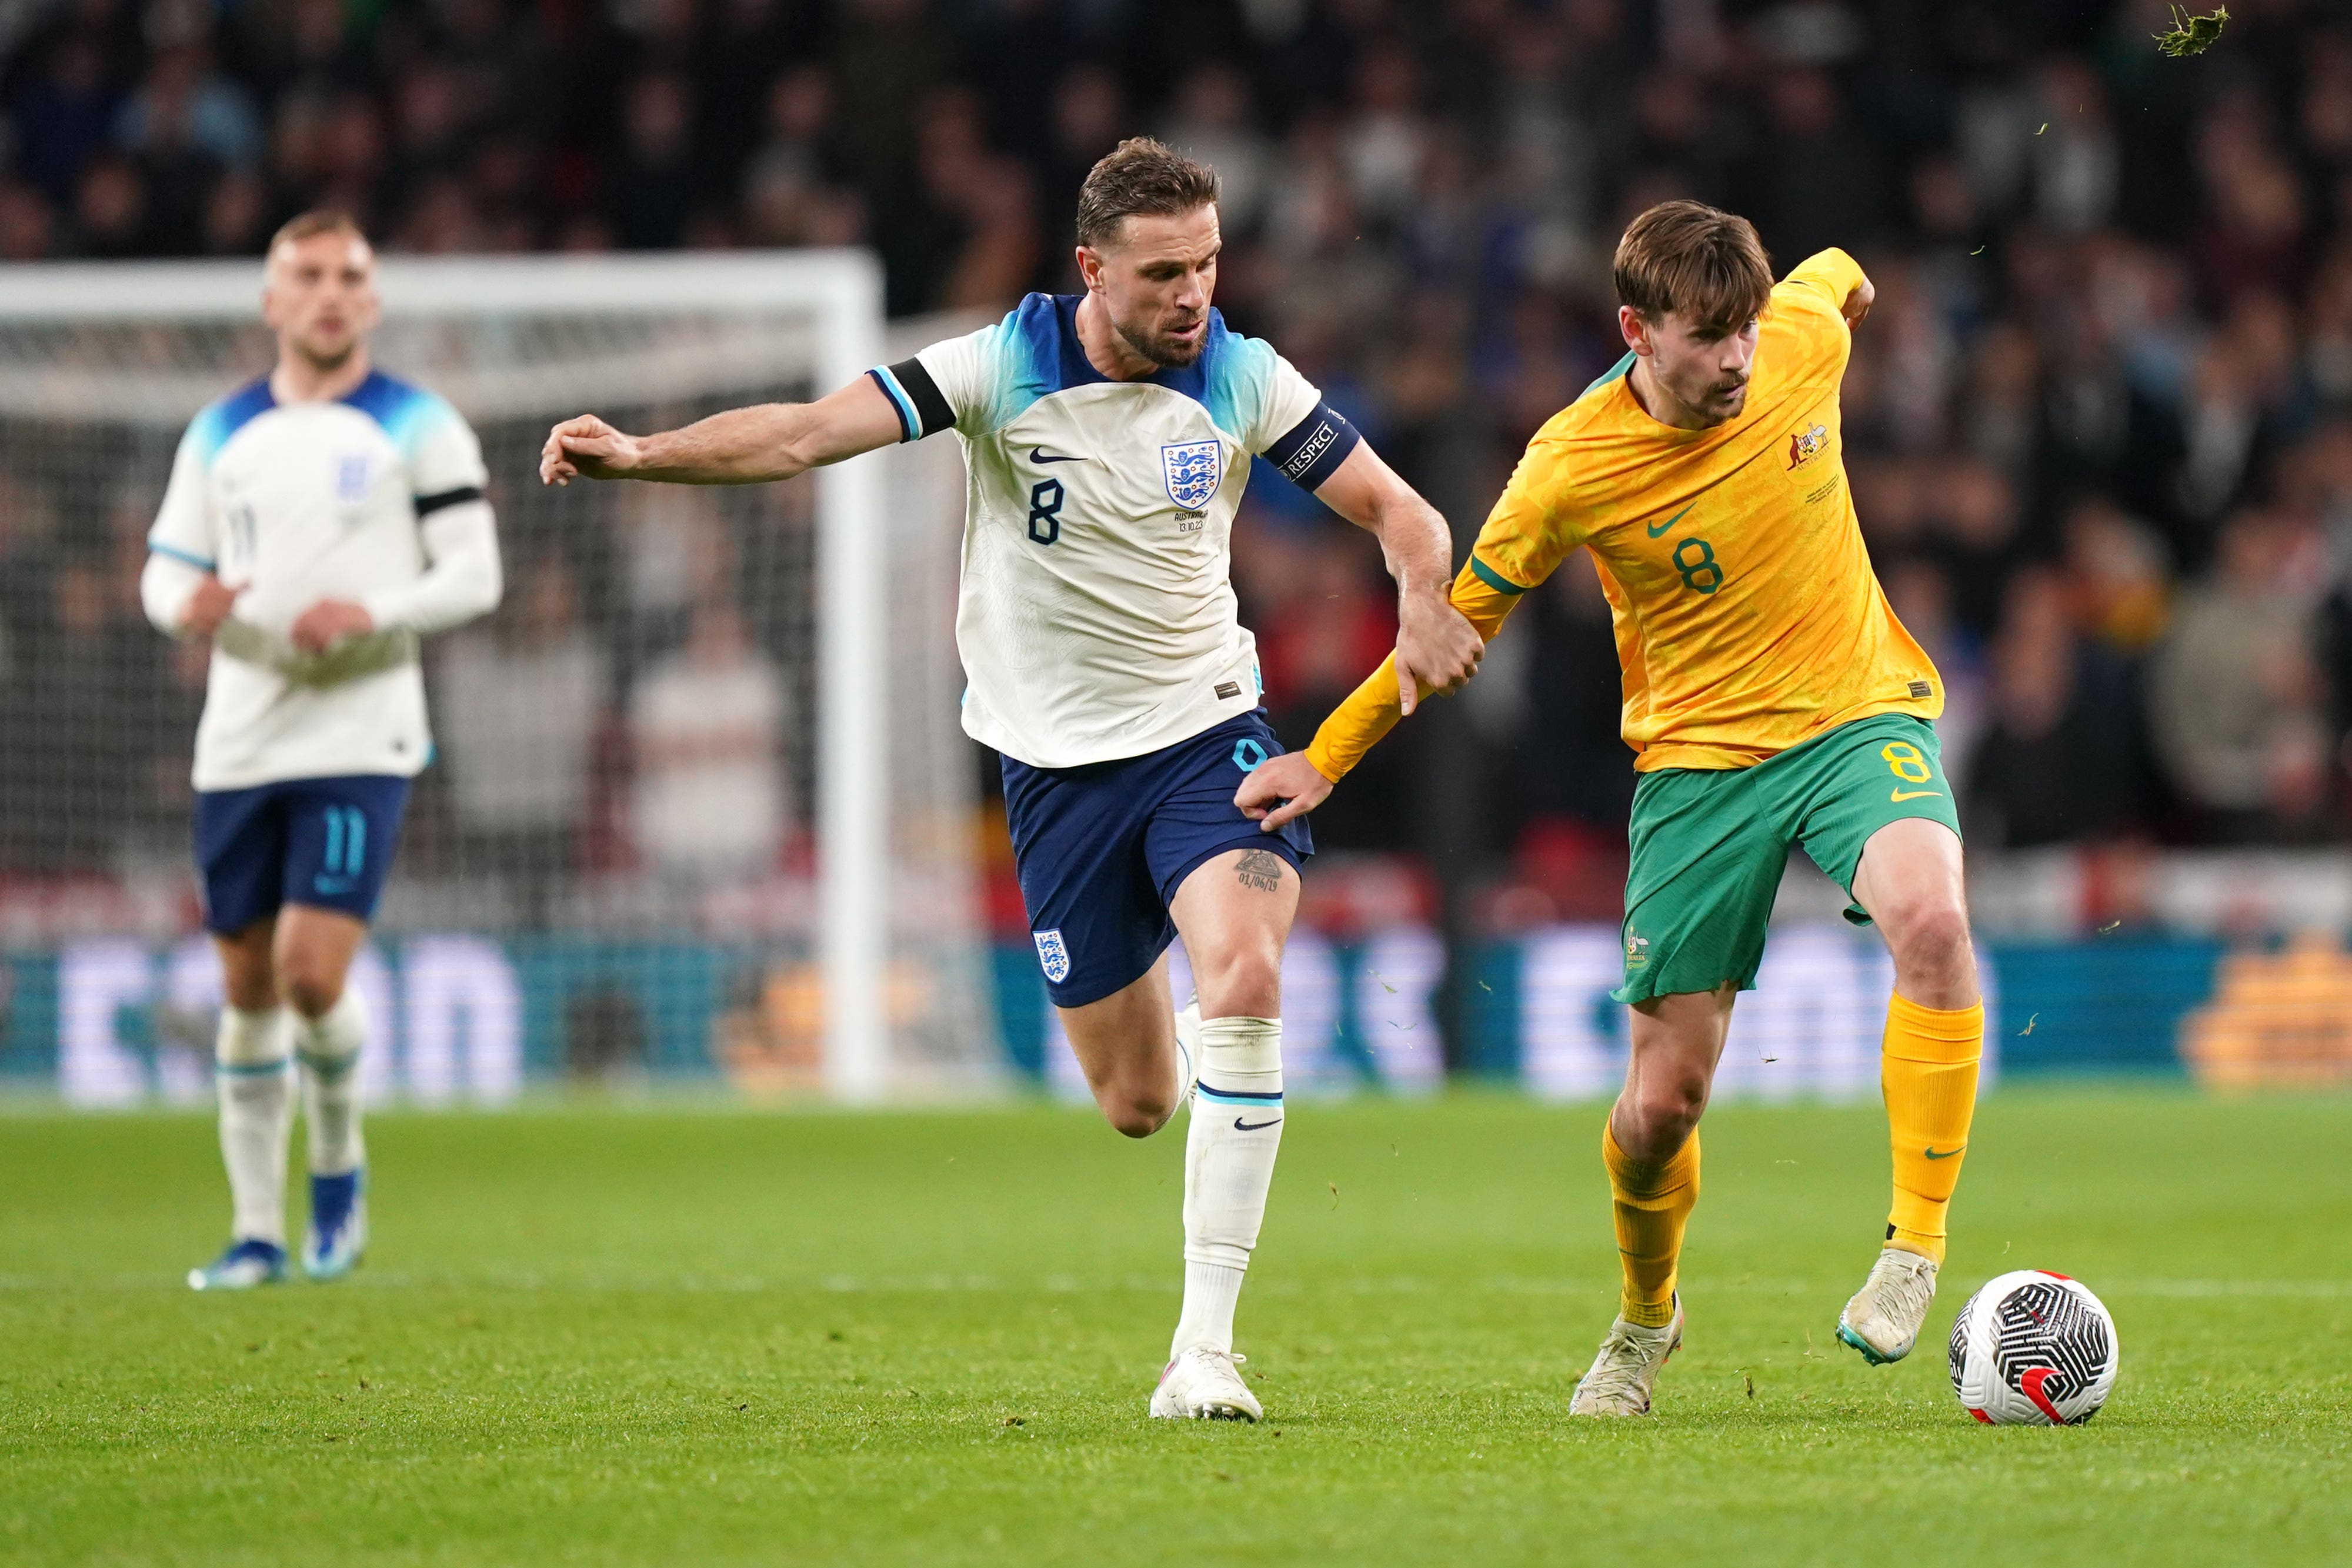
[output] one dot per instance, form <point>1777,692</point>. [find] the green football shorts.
<point>1710,844</point>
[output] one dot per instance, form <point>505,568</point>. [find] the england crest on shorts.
<point>1053,954</point>
<point>1190,470</point>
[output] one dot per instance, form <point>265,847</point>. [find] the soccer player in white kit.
<point>318,522</point>
<point>1107,440</point>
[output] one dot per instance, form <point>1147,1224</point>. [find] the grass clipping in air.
<point>2192,34</point>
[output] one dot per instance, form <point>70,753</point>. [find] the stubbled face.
<point>1156,281</point>
<point>1703,367</point>
<point>319,296</point>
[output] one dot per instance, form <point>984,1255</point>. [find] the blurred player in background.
<point>319,523</point>
<point>1774,699</point>
<point>1108,437</point>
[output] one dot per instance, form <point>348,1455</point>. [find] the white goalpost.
<point>101,365</point>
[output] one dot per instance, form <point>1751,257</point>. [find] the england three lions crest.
<point>1053,954</point>
<point>1190,470</point>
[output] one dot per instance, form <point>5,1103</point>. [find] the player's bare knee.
<point>249,988</point>
<point>1929,939</point>
<point>310,990</point>
<point>248,977</point>
<point>1245,981</point>
<point>1658,1118</point>
<point>1137,1112</point>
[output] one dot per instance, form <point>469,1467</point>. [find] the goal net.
<point>699,807</point>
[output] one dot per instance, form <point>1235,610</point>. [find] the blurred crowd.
<point>2099,425</point>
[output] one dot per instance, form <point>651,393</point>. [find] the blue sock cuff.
<point>1240,1096</point>
<point>251,1069</point>
<point>326,1068</point>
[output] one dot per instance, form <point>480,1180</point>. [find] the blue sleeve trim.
<point>199,561</point>
<point>907,429</point>
<point>1312,450</point>
<point>1494,579</point>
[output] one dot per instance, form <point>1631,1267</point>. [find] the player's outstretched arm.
<point>741,447</point>
<point>1437,650</point>
<point>1518,547</point>
<point>1296,783</point>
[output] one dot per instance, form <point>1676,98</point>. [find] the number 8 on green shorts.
<point>1709,845</point>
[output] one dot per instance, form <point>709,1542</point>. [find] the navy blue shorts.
<point>1101,849</point>
<point>323,842</point>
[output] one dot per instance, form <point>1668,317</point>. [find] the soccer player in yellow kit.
<point>1773,700</point>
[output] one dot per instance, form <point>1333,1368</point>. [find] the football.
<point>2033,1349</point>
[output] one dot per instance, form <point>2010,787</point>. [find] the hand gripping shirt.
<point>1095,615</point>
<point>375,497</point>
<point>1747,616</point>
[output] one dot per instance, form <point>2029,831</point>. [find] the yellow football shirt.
<point>1748,618</point>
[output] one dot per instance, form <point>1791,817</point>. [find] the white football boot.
<point>1882,1319</point>
<point>246,1264</point>
<point>1620,1379</point>
<point>1201,1385</point>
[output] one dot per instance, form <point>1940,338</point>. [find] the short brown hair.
<point>1140,176</point>
<point>311,224</point>
<point>1700,260</point>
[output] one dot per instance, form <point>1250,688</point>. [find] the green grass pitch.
<point>591,1334</point>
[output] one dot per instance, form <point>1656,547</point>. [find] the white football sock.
<point>1188,1052</point>
<point>1229,1153</point>
<point>329,1050</point>
<point>257,1111</point>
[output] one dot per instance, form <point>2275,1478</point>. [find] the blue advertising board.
<point>477,1018</point>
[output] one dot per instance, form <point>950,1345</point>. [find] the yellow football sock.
<point>1928,1070</point>
<point>1652,1201</point>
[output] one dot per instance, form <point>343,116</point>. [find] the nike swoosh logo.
<point>1946,1153</point>
<point>1241,1126</point>
<point>1659,531</point>
<point>1039,454</point>
<point>1911,793</point>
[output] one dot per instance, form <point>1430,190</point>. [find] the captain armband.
<point>922,408</point>
<point>1312,450</point>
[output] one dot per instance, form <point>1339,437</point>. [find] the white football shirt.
<point>375,497</point>
<point>1095,617</point>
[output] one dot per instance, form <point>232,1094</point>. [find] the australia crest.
<point>1807,444</point>
<point>1189,470</point>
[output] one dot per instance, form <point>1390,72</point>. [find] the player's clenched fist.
<point>1438,650</point>
<point>329,621</point>
<point>208,607</point>
<point>1280,788</point>
<point>585,447</point>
